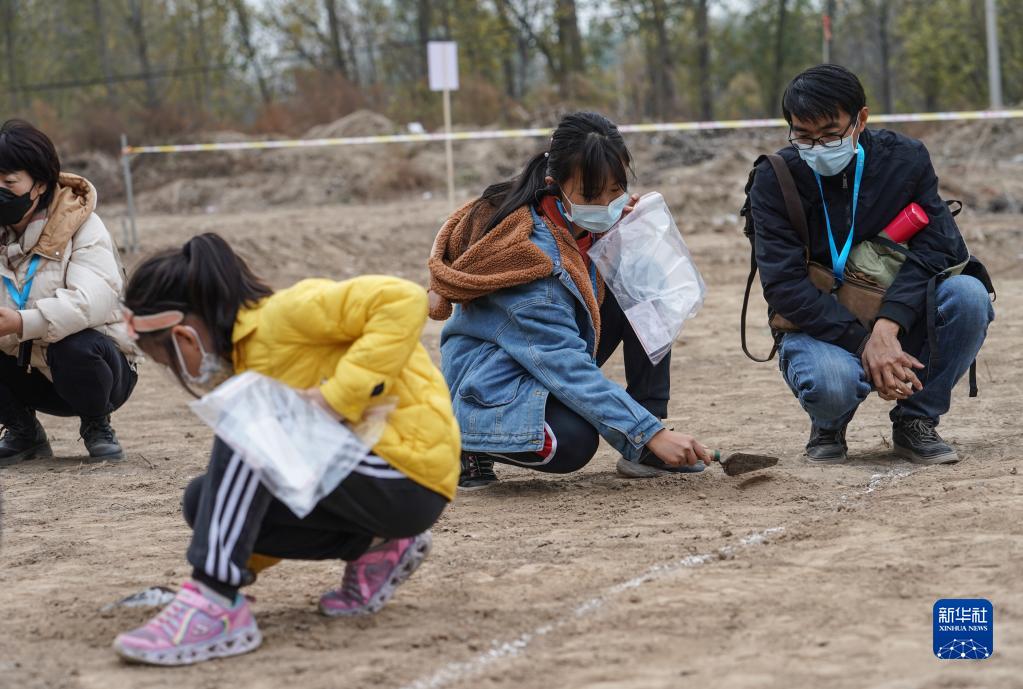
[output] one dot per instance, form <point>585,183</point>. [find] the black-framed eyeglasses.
<point>804,143</point>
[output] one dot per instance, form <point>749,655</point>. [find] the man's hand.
<point>677,449</point>
<point>10,322</point>
<point>888,367</point>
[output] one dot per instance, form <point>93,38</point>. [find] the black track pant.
<point>571,440</point>
<point>232,516</point>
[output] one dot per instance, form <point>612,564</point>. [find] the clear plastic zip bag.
<point>299,451</point>
<point>649,269</point>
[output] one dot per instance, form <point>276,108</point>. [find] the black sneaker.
<point>100,440</point>
<point>650,465</point>
<point>918,441</point>
<point>23,439</point>
<point>827,447</point>
<point>477,471</point>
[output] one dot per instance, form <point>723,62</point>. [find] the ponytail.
<point>205,278</point>
<point>586,144</point>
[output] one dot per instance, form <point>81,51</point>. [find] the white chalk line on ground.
<point>500,650</point>
<point>889,477</point>
<point>459,671</point>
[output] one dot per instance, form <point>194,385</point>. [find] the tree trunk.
<point>665,60</point>
<point>100,23</point>
<point>245,30</point>
<point>336,50</point>
<point>774,89</point>
<point>136,21</point>
<point>204,57</point>
<point>829,10</point>
<point>348,29</point>
<point>884,20</point>
<point>424,19</point>
<point>508,59</point>
<point>703,60</point>
<point>10,12</point>
<point>570,46</point>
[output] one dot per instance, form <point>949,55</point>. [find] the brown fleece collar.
<point>73,202</point>
<point>467,264</point>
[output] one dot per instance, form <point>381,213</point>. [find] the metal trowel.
<point>742,462</point>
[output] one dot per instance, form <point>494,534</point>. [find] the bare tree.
<point>241,13</point>
<point>557,54</point>
<point>883,9</point>
<point>10,14</point>
<point>424,18</point>
<point>137,24</point>
<point>653,17</point>
<point>204,57</point>
<point>337,51</point>
<point>777,74</point>
<point>703,60</point>
<point>102,39</point>
<point>570,42</point>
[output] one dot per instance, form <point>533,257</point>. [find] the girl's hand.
<point>315,397</point>
<point>677,449</point>
<point>633,200</point>
<point>10,322</point>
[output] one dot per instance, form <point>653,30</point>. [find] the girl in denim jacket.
<point>530,322</point>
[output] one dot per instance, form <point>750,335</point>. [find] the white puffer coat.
<point>79,280</point>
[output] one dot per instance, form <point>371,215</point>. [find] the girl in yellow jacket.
<point>202,312</point>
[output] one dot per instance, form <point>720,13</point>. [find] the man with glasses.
<point>852,182</point>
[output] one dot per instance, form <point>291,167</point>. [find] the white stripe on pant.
<point>234,497</point>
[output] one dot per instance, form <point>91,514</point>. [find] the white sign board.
<point>442,58</point>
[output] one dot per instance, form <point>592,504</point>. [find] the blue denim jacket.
<point>502,354</point>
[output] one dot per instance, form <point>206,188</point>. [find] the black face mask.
<point>13,208</point>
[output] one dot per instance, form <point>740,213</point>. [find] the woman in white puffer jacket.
<point>64,347</point>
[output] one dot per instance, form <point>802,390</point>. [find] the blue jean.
<point>830,382</point>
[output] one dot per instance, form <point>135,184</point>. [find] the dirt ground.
<point>799,577</point>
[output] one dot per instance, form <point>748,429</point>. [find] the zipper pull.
<point>845,181</point>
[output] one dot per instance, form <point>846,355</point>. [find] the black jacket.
<point>897,172</point>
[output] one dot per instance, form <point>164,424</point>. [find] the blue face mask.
<point>826,161</point>
<point>596,218</point>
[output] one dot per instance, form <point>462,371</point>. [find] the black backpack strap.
<point>746,212</point>
<point>745,306</point>
<point>793,205</point>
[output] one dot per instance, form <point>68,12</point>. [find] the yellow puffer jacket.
<point>359,340</point>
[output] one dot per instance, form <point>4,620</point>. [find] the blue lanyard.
<point>838,259</point>
<point>20,297</point>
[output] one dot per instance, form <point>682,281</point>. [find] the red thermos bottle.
<point>907,223</point>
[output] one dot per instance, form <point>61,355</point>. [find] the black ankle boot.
<point>23,438</point>
<point>99,439</point>
<point>477,471</point>
<point>827,446</point>
<point>918,441</point>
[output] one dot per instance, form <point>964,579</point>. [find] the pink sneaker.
<point>191,629</point>
<point>370,581</point>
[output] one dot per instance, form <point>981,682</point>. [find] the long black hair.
<point>584,143</point>
<point>23,147</point>
<point>205,277</point>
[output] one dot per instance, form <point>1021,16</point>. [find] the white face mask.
<point>596,218</point>
<point>213,370</point>
<point>828,161</point>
